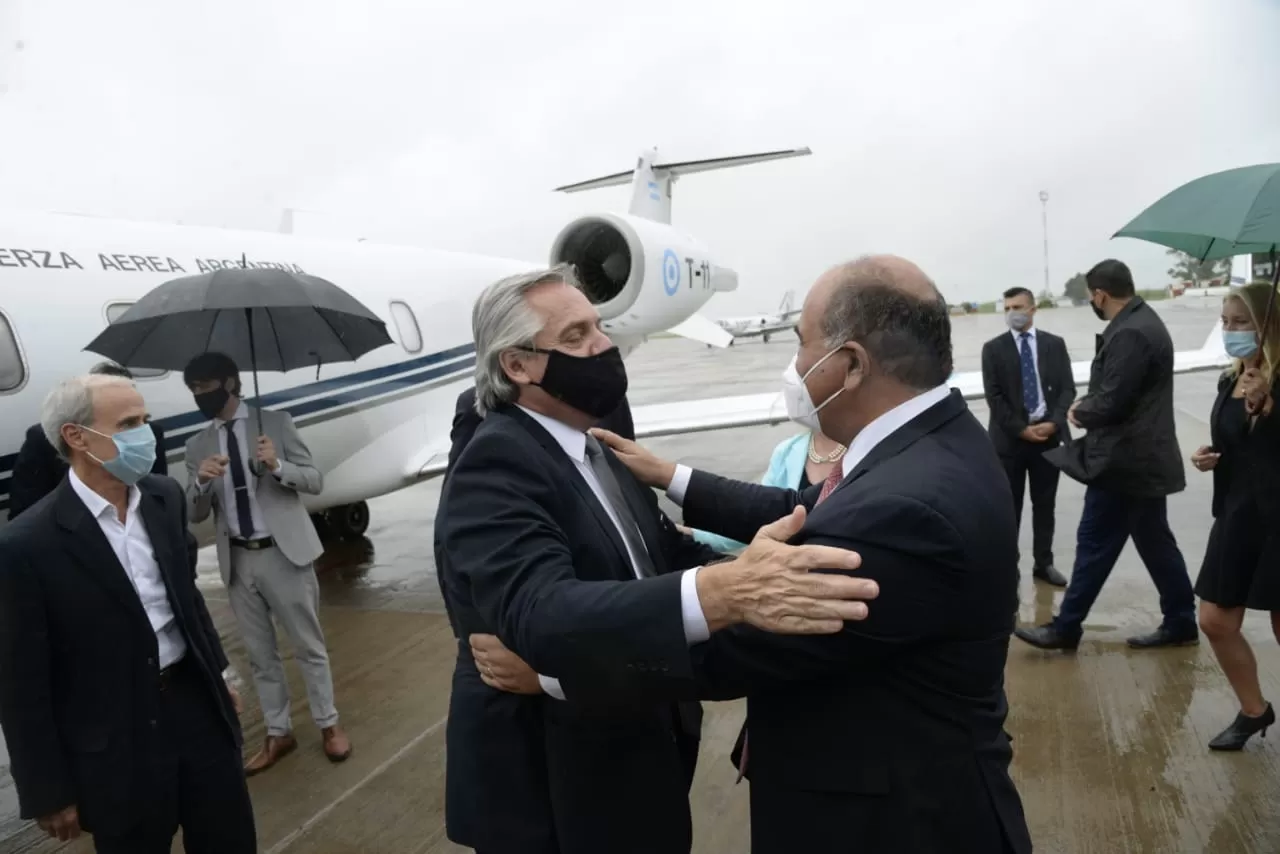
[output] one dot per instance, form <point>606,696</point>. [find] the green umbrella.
<point>1235,212</point>
<point>1217,216</point>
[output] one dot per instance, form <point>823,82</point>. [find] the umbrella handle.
<point>1266,325</point>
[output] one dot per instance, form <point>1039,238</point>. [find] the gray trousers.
<point>266,583</point>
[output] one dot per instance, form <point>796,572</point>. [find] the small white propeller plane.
<point>382,423</point>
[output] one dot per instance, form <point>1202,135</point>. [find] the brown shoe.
<point>275,748</point>
<point>336,744</point>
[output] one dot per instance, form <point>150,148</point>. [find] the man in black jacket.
<point>1026,379</point>
<point>496,759</point>
<point>38,468</point>
<point>550,544</point>
<point>1130,462</point>
<point>112,701</point>
<point>888,736</point>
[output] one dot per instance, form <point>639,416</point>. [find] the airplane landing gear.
<point>347,521</point>
<point>766,338</point>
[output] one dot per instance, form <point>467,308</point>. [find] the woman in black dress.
<point>1242,563</point>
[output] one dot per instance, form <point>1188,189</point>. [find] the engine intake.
<point>608,258</point>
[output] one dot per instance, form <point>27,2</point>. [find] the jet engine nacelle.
<point>642,276</point>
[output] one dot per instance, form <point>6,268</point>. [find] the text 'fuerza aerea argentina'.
<point>45,259</point>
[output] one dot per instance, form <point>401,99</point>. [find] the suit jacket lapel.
<point>907,435</point>
<point>157,519</point>
<point>1015,370</point>
<point>1041,355</point>
<point>91,550</point>
<point>1215,435</point>
<point>574,477</point>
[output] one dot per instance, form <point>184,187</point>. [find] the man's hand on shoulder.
<point>772,585</point>
<point>647,468</point>
<point>61,825</point>
<point>501,668</point>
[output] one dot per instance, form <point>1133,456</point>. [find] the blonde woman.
<point>797,462</point>
<point>1242,562</point>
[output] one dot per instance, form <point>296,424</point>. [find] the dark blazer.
<point>1002,387</point>
<point>1257,459</point>
<point>888,737</point>
<point>38,468</point>
<point>1132,445</point>
<point>79,684</point>
<point>528,553</point>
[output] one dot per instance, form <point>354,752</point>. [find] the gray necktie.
<point>613,491</point>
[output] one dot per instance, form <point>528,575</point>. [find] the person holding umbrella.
<point>248,466</point>
<point>266,546</point>
<point>1241,567</point>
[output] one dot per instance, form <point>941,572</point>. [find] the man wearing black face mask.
<point>1130,462</point>
<point>546,539</point>
<point>250,482</point>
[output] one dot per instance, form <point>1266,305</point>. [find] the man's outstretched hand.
<point>773,586</point>
<point>647,468</point>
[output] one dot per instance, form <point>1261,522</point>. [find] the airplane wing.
<point>752,410</point>
<point>757,331</point>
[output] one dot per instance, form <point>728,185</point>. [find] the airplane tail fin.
<point>651,182</point>
<point>784,307</point>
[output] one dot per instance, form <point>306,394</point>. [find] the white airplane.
<point>763,325</point>
<point>382,423</point>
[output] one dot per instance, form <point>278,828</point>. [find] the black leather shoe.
<point>1242,729</point>
<point>1165,636</point>
<point>1049,575</point>
<point>1047,637</point>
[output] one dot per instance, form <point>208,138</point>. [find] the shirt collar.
<point>1018,335</point>
<point>889,423</point>
<point>96,504</point>
<point>573,441</point>
<point>241,413</point>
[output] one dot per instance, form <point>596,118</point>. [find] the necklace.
<point>819,459</point>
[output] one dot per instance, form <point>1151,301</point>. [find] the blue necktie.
<point>1030,387</point>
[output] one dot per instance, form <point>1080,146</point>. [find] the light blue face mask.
<point>135,453</point>
<point>1240,344</point>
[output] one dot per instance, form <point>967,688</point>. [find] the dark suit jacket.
<point>38,468</point>
<point>888,737</point>
<point>1256,459</point>
<point>530,555</point>
<point>1132,445</point>
<point>79,687</point>
<point>1002,387</point>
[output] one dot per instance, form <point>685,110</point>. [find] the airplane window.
<point>114,310</point>
<point>407,326</point>
<point>12,372</point>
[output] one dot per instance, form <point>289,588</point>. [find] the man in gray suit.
<point>266,546</point>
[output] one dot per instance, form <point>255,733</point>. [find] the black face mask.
<point>1097,310</point>
<point>211,402</point>
<point>593,385</point>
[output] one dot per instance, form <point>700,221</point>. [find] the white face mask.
<point>800,408</point>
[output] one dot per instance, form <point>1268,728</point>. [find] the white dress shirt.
<point>574,443</point>
<point>132,546</point>
<point>870,436</point>
<point>248,453</point>
<point>1035,362</point>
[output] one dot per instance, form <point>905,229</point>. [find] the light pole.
<point>1044,218</point>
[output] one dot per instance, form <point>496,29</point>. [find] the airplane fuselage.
<point>371,425</point>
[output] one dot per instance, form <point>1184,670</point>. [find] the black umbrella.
<point>270,320</point>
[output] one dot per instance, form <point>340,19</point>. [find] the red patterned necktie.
<point>828,486</point>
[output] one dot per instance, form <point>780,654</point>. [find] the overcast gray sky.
<point>933,124</point>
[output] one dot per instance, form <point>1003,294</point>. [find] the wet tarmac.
<point>1109,744</point>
